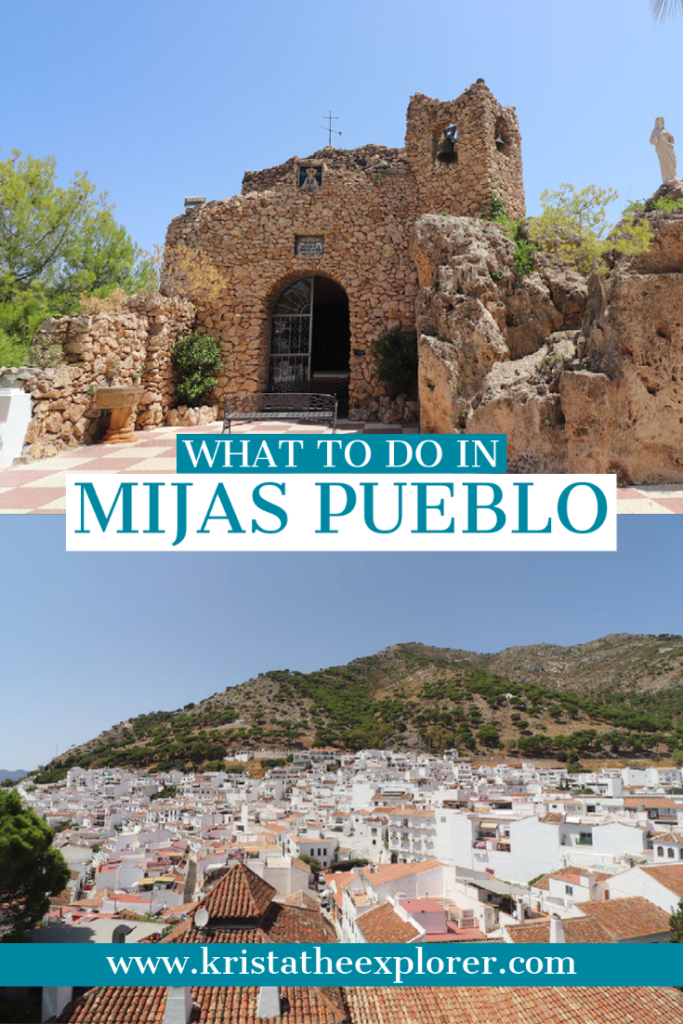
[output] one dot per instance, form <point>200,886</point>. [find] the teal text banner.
<point>451,964</point>
<point>352,453</point>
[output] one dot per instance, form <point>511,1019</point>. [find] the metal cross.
<point>330,117</point>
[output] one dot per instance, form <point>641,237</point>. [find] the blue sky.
<point>159,99</point>
<point>89,639</point>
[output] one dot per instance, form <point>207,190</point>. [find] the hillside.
<point>620,695</point>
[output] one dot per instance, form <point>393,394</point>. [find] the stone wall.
<point>365,209</point>
<point>141,333</point>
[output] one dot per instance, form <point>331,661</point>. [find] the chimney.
<point>520,910</point>
<point>178,1009</point>
<point>268,1004</point>
<point>556,930</point>
<point>54,1001</point>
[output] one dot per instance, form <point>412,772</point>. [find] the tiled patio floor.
<point>38,488</point>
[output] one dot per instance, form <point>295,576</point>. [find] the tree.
<point>64,236</point>
<point>676,923</point>
<point>56,242</point>
<point>574,228</point>
<point>30,869</point>
<point>313,863</point>
<point>661,9</point>
<point>38,219</point>
<point>101,258</point>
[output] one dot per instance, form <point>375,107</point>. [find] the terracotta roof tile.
<point>383,924</point>
<point>668,875</point>
<point>576,929</point>
<point>300,899</point>
<point>118,1006</point>
<point>632,917</point>
<point>426,1005</point>
<point>280,923</point>
<point>540,1005</point>
<point>390,872</point>
<point>667,837</point>
<point>661,802</point>
<point>217,1005</point>
<point>240,894</point>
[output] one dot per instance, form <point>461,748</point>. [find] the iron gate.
<point>291,335</point>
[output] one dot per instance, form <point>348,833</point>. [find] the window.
<point>660,851</point>
<point>569,890</point>
<point>671,852</point>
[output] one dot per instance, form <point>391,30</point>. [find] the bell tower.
<point>463,150</point>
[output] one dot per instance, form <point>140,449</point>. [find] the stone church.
<point>316,253</point>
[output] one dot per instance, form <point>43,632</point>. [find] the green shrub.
<point>518,232</point>
<point>668,204</point>
<point>574,228</point>
<point>196,360</point>
<point>396,355</point>
<point>20,317</point>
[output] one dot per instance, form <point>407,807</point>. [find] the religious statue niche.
<point>663,141</point>
<point>310,179</point>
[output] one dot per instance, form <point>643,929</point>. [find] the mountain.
<point>620,695</point>
<point>14,776</point>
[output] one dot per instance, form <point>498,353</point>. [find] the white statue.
<point>663,141</point>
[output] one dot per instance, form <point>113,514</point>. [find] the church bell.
<point>445,151</point>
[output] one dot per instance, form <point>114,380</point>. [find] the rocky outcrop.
<point>624,412</point>
<point>520,398</point>
<point>581,376</point>
<point>481,329</point>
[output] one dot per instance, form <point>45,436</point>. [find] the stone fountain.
<point>121,400</point>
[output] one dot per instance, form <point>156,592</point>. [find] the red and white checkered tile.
<point>38,487</point>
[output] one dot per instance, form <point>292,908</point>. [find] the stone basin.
<point>121,400</point>
<point>120,396</point>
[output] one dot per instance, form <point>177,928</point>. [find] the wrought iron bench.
<point>280,406</point>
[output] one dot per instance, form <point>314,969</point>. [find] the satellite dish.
<point>201,918</point>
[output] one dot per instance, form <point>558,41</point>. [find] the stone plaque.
<point>309,245</point>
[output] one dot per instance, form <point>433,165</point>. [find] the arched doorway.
<point>310,339</point>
